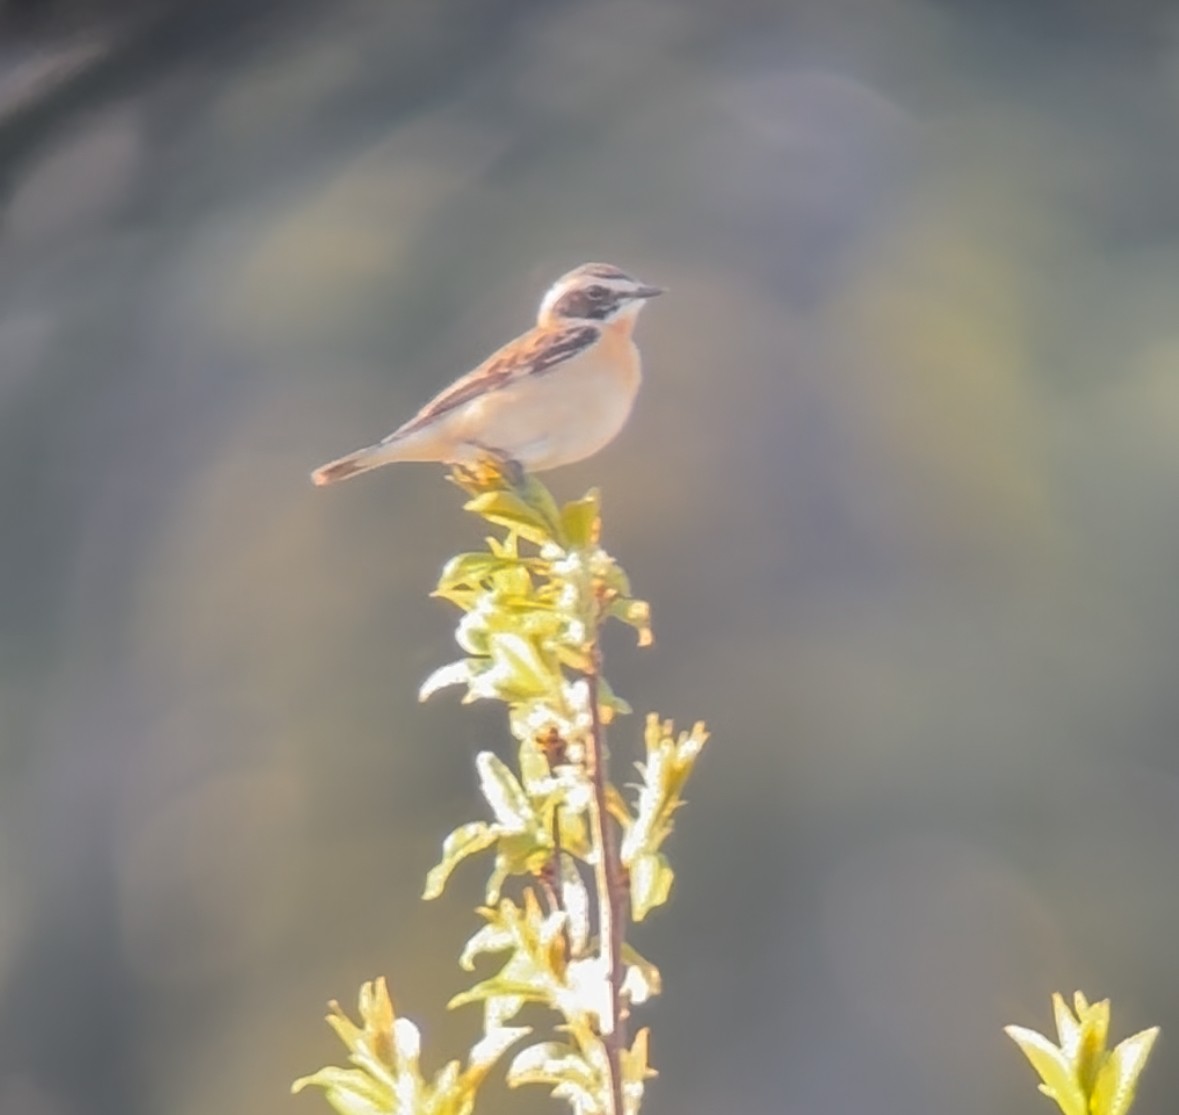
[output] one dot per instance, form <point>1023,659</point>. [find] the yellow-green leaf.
<point>490,938</point>
<point>471,633</point>
<point>575,902</point>
<point>1068,1028</point>
<point>519,667</point>
<point>464,598</point>
<point>636,613</point>
<point>580,520</point>
<point>1059,1081</point>
<point>636,1068</point>
<point>650,883</point>
<point>350,1091</point>
<point>466,840</point>
<point>1090,1052</point>
<point>498,987</point>
<point>468,569</point>
<point>566,1069</point>
<point>508,510</point>
<point>609,703</point>
<point>540,499</point>
<point>494,1044</point>
<point>453,673</point>
<point>643,979</point>
<point>1114,1090</point>
<point>508,801</point>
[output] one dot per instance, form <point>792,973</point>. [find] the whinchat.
<point>554,395</point>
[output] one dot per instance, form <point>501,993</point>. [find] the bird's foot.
<point>493,469</point>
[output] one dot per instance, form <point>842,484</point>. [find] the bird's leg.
<point>513,472</point>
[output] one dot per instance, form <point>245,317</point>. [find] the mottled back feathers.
<point>533,354</point>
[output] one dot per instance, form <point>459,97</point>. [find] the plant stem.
<point>611,886</point>
<point>555,750</point>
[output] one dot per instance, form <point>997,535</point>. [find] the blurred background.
<point>902,488</point>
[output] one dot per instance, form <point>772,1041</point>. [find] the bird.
<point>558,393</point>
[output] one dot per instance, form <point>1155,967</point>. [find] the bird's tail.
<point>362,460</point>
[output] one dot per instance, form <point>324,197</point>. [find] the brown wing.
<point>533,354</point>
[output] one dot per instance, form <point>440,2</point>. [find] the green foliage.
<point>670,760</point>
<point>387,1077</point>
<point>533,603</point>
<point>1080,1074</point>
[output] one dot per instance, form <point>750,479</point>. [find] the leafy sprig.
<point>580,857</point>
<point>1081,1074</point>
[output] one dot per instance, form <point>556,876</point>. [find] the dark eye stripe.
<point>587,304</point>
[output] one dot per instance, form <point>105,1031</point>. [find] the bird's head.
<point>596,293</point>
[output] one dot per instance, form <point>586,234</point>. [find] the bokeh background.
<point>903,489</point>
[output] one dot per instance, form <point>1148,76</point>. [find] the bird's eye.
<point>598,293</point>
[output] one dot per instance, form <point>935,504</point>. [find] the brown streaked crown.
<point>600,271</point>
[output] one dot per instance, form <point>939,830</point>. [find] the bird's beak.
<point>645,292</point>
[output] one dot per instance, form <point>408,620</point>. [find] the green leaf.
<point>500,1009</point>
<point>637,614</point>
<point>539,623</point>
<point>384,1052</point>
<point>469,570</point>
<point>520,669</point>
<point>534,971</point>
<point>534,767</point>
<point>525,853</point>
<point>511,579</point>
<point>498,987</point>
<point>547,1058</point>
<point>453,673</point>
<point>472,631</point>
<point>651,877</point>
<point>464,598</point>
<point>572,1077</point>
<point>495,936</point>
<point>540,500</point>
<point>350,1091</point>
<point>643,979</point>
<point>466,840</point>
<point>575,902</point>
<point>503,548</point>
<point>508,510</point>
<point>1060,1082</point>
<point>494,1044</point>
<point>1090,1051</point>
<point>508,801</point>
<point>574,657</point>
<point>575,838</point>
<point>580,520</point>
<point>496,880</point>
<point>609,703</point>
<point>617,583</point>
<point>670,761</point>
<point>636,1069</point>
<point>1117,1080</point>
<point>1068,1029</point>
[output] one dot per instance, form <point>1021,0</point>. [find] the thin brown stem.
<point>555,861</point>
<point>611,887</point>
<point>552,895</point>
<point>554,749</point>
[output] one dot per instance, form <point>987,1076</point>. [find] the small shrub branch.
<point>533,605</point>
